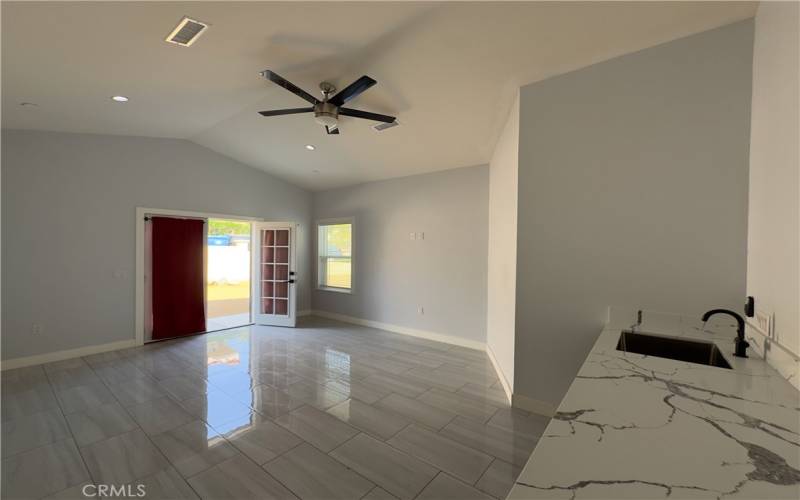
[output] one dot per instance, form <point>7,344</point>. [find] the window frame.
<point>318,259</point>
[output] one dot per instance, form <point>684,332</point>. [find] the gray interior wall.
<point>68,215</point>
<point>445,273</point>
<point>502,267</point>
<point>773,274</point>
<point>632,192</point>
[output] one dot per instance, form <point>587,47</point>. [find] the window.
<point>335,247</point>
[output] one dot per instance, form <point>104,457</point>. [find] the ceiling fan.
<point>327,111</point>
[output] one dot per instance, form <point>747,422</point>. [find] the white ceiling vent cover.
<point>186,32</point>
<point>383,126</point>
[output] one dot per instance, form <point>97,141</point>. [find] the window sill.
<point>348,291</point>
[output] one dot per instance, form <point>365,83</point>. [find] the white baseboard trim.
<point>500,374</point>
<point>533,405</point>
<point>403,330</point>
<point>49,357</point>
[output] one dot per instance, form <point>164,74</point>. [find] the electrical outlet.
<point>421,236</point>
<point>421,310</point>
<point>412,236</point>
<point>36,329</point>
<point>763,322</point>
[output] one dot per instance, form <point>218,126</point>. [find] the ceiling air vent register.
<point>186,32</point>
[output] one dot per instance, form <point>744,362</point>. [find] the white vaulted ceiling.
<point>449,71</point>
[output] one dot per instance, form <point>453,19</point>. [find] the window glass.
<point>336,255</point>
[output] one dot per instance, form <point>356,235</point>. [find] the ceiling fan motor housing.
<point>326,114</point>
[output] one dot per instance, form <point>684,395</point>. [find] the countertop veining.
<point>635,426</point>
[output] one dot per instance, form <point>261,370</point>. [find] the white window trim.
<point>326,222</point>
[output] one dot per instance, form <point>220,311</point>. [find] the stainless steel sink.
<point>692,351</point>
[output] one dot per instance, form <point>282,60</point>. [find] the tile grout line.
<point>409,424</point>
<point>390,446</point>
<point>303,441</point>
<point>152,443</point>
<point>422,403</point>
<point>494,459</point>
<point>485,470</point>
<point>30,415</point>
<point>428,483</point>
<point>328,454</point>
<point>434,466</point>
<point>69,428</point>
<point>455,415</point>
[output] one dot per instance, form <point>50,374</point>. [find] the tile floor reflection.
<point>324,410</point>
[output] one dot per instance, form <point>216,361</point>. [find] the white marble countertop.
<point>634,426</point>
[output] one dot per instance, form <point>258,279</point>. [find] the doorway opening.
<point>198,272</point>
<point>228,274</point>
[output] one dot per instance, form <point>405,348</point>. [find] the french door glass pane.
<point>267,271</point>
<point>275,272</point>
<point>282,237</point>
<point>281,272</point>
<point>282,255</point>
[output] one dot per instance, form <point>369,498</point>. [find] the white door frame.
<point>139,320</point>
<point>255,255</point>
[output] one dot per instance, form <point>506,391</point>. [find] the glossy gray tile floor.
<point>324,410</point>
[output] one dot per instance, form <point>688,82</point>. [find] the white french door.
<point>274,287</point>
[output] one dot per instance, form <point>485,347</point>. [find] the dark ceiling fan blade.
<point>352,91</point>
<point>292,111</point>
<point>283,82</point>
<point>367,115</point>
<point>331,131</point>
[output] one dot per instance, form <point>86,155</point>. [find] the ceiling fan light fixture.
<point>326,114</point>
<point>326,119</point>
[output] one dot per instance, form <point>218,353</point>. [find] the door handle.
<point>290,281</point>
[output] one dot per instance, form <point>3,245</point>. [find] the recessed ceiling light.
<point>310,147</point>
<point>119,98</point>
